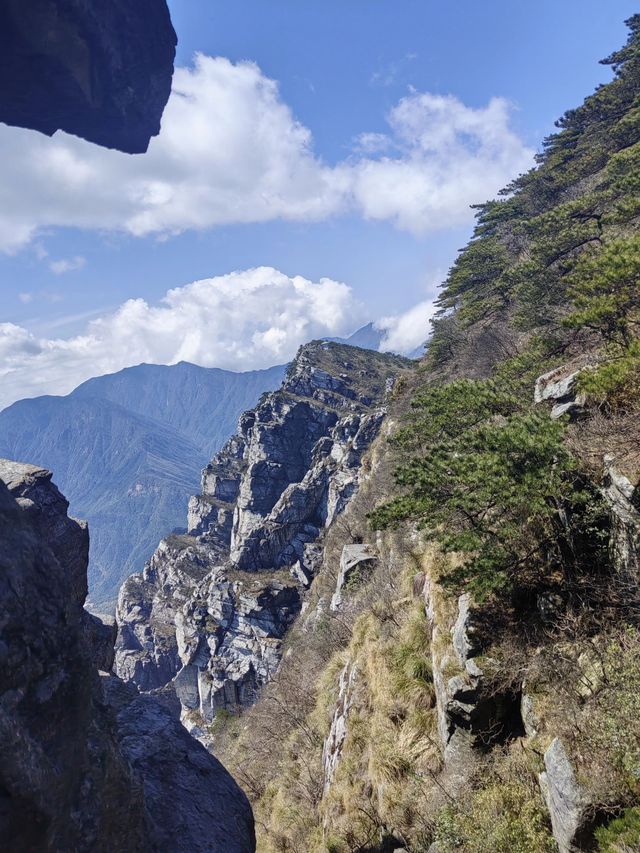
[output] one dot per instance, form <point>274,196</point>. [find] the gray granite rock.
<point>353,557</point>
<point>622,499</point>
<point>464,641</point>
<point>566,800</point>
<point>222,598</point>
<point>332,748</point>
<point>86,764</point>
<point>560,388</point>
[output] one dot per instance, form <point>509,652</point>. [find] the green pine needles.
<point>489,478</point>
<point>605,289</point>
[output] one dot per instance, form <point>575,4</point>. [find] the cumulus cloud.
<point>231,151</point>
<point>448,156</point>
<point>407,332</point>
<point>241,321</point>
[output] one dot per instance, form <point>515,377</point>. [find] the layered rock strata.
<point>206,618</point>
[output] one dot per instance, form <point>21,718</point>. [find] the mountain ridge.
<point>127,449</point>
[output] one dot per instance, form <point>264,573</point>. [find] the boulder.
<point>567,801</point>
<point>353,557</point>
<point>560,388</point>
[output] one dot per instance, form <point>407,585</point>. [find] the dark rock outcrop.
<point>191,802</point>
<point>209,613</point>
<point>100,71</point>
<point>101,632</point>
<point>85,765</point>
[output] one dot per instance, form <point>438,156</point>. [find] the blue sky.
<point>397,72</point>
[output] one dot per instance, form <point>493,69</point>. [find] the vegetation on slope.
<point>491,497</point>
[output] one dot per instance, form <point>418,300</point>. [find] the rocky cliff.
<point>464,675</point>
<point>203,625</point>
<point>87,764</point>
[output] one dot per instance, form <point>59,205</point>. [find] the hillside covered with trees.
<point>478,687</point>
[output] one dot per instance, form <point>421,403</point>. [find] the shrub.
<point>622,835</point>
<point>490,478</point>
<point>505,814</point>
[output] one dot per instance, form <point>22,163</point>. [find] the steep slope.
<point>126,448</point>
<point>465,674</point>
<point>205,621</point>
<point>87,764</point>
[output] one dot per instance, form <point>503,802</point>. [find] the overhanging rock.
<point>101,71</point>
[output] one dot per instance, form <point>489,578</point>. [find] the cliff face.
<point>87,764</point>
<point>205,621</point>
<point>465,674</point>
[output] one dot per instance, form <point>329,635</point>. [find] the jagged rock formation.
<point>208,614</point>
<point>103,74</point>
<point>85,763</point>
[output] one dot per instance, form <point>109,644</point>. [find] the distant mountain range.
<point>127,450</point>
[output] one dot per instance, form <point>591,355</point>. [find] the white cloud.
<point>231,151</point>
<point>244,320</point>
<point>65,265</point>
<point>406,332</point>
<point>448,157</point>
<point>25,297</point>
<point>372,143</point>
